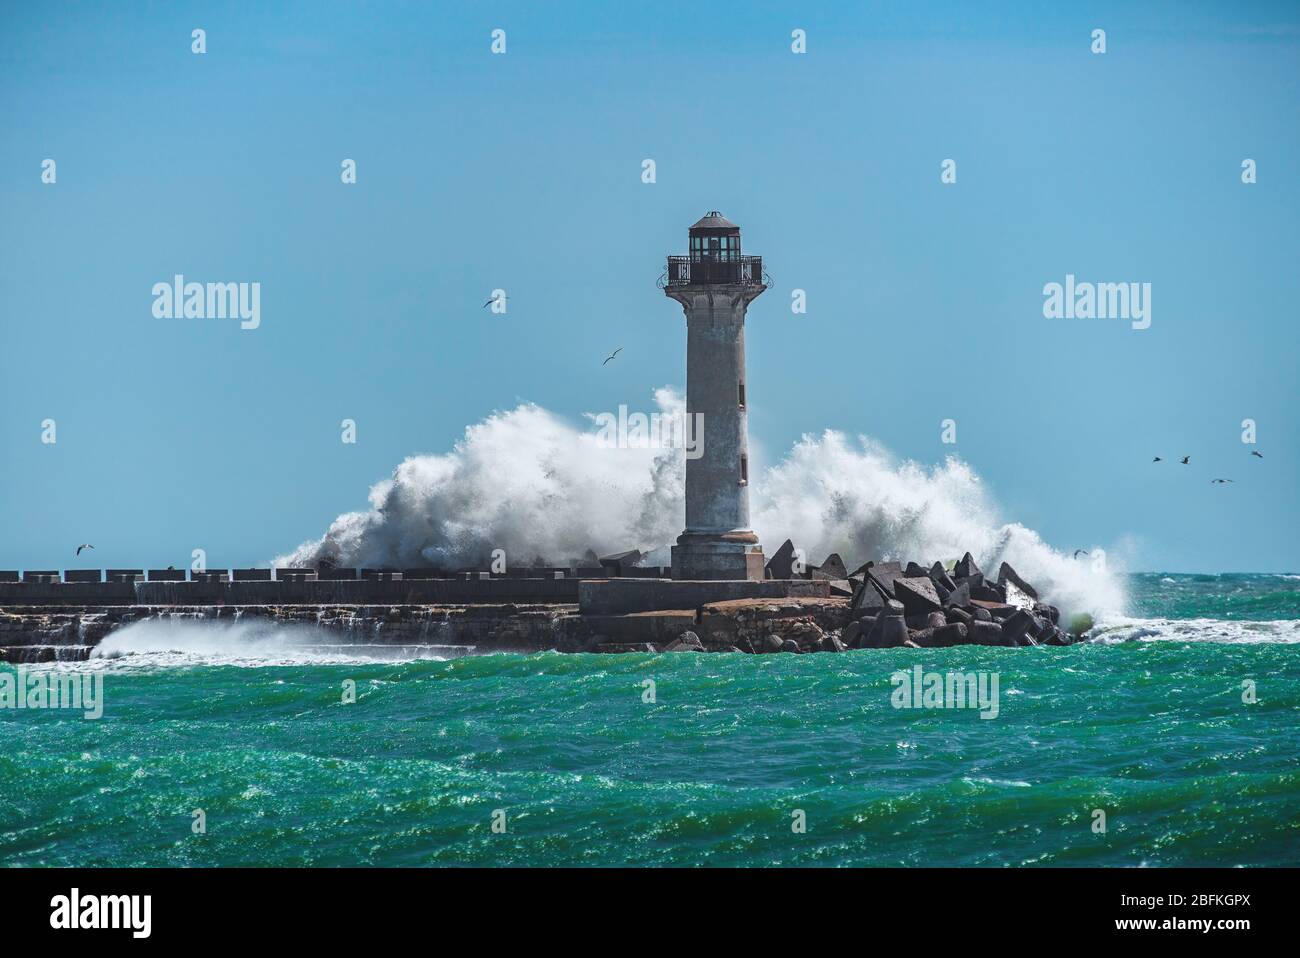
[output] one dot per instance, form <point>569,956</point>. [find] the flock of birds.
<point>1186,460</point>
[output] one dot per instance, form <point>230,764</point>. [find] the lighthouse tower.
<point>715,284</point>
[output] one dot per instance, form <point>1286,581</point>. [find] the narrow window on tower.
<point>742,395</point>
<point>744,469</point>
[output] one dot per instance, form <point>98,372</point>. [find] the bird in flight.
<point>1184,460</point>
<point>84,545</point>
<point>613,354</point>
<point>1084,551</point>
<point>1157,459</point>
<point>1222,480</point>
<point>493,299</point>
<point>1254,453</point>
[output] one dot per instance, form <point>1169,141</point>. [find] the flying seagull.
<point>1084,551</point>
<point>1254,453</point>
<point>84,545</point>
<point>613,354</point>
<point>1184,460</point>
<point>1157,459</point>
<point>1222,480</point>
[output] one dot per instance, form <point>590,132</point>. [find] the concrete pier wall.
<point>71,633</point>
<point>621,596</point>
<point>299,592</point>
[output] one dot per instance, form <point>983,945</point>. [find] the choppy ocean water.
<point>1146,722</point>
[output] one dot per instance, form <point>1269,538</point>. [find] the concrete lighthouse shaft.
<point>715,284</point>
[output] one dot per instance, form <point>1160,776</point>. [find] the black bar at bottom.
<point>941,906</point>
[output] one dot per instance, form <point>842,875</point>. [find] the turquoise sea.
<point>1145,722</point>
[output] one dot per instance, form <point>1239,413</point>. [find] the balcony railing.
<point>714,270</point>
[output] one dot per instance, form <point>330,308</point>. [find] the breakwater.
<point>390,590</point>
<point>71,633</point>
<point>45,617</point>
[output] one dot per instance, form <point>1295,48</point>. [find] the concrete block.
<point>781,565</point>
<point>250,575</point>
<point>941,579</point>
<point>940,637</point>
<point>124,575</point>
<point>83,575</point>
<point>425,573</point>
<point>959,598</point>
<point>211,575</point>
<point>54,592</point>
<point>867,602</point>
<point>966,567</point>
<point>888,632</point>
<point>918,595</point>
<point>884,574</point>
<point>616,563</point>
<point>686,642</point>
<point>1007,574</point>
<point>985,633</point>
<point>1016,626</point>
<point>9,575</point>
<point>41,575</point>
<point>166,575</point>
<point>833,567</point>
<point>294,575</point>
<point>336,575</point>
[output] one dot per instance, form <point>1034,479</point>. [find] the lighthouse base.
<point>728,556</point>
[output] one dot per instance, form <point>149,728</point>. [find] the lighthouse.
<point>715,283</point>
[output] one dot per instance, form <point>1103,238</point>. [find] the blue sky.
<point>522,171</point>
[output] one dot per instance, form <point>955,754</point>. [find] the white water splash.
<point>178,642</point>
<point>523,481</point>
<point>529,483</point>
<point>833,495</point>
<point>1235,632</point>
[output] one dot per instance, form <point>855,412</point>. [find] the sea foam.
<point>176,642</point>
<point>527,482</point>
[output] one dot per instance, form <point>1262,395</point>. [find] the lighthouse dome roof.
<point>713,220</point>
